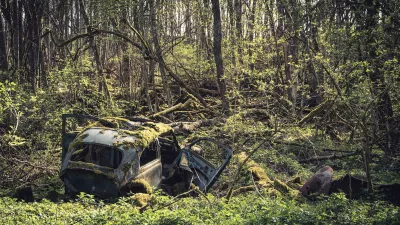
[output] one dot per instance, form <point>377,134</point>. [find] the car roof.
<point>123,133</point>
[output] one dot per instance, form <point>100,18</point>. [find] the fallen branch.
<point>172,109</point>
<point>15,160</point>
<point>308,146</point>
<point>331,157</point>
<point>186,87</point>
<point>321,108</point>
<point>244,189</point>
<point>208,91</point>
<point>190,126</point>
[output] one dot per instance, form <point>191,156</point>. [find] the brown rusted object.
<point>320,182</point>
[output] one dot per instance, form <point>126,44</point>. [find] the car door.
<point>150,168</point>
<point>69,136</point>
<point>204,159</point>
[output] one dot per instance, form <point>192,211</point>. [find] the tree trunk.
<point>34,14</point>
<point>232,34</point>
<point>99,68</point>
<point>3,50</point>
<point>251,34</point>
<point>218,55</point>
<point>15,38</point>
<point>125,72</point>
<point>160,59</point>
<point>384,110</point>
<point>238,9</point>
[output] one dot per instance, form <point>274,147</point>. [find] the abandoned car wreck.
<point>112,157</point>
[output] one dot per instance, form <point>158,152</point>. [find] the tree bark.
<point>160,59</point>
<point>384,109</point>
<point>99,67</point>
<point>251,34</point>
<point>232,34</point>
<point>3,50</point>
<point>238,10</point>
<point>218,55</point>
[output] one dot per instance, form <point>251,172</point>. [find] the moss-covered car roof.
<point>122,133</point>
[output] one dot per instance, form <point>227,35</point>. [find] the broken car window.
<point>97,154</point>
<point>149,154</point>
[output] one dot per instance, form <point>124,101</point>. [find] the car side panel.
<point>151,172</point>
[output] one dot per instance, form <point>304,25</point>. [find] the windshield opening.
<point>98,154</point>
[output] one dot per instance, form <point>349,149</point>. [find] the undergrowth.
<point>286,144</point>
<point>245,209</point>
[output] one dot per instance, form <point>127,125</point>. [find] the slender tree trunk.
<point>205,33</point>
<point>15,38</point>
<point>276,33</point>
<point>232,33</point>
<point>151,81</point>
<point>34,15</point>
<point>384,110</point>
<point>3,49</point>
<point>188,20</point>
<point>99,68</point>
<point>218,55</point>
<point>125,73</point>
<point>251,34</point>
<point>238,9</point>
<point>160,59</point>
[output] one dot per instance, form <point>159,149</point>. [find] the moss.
<point>152,125</point>
<point>260,177</point>
<point>274,188</point>
<point>125,144</point>
<point>125,168</point>
<point>287,191</point>
<point>259,174</point>
<point>77,152</point>
<point>114,122</point>
<point>77,141</point>
<point>142,185</point>
<point>108,172</point>
<point>102,131</point>
<point>147,134</point>
<point>294,183</point>
<point>281,186</point>
<point>295,186</point>
<point>273,192</point>
<point>243,189</point>
<point>141,199</point>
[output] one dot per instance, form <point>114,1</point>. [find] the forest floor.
<point>280,156</point>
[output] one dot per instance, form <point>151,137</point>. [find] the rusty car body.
<point>115,156</point>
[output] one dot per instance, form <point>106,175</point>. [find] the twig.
<point>255,185</point>
<point>175,199</point>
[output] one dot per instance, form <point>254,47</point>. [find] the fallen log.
<point>331,157</point>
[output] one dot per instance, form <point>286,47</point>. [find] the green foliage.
<point>244,209</point>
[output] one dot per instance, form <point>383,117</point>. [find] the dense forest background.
<point>328,70</point>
